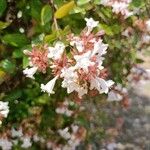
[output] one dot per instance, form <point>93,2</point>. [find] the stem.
<point>51,2</point>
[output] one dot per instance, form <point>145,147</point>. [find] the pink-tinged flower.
<point>56,51</point>
<point>58,65</point>
<point>49,86</point>
<point>29,72</point>
<point>38,57</point>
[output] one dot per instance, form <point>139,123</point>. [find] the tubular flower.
<point>49,86</point>
<point>29,72</point>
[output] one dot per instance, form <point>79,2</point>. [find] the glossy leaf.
<point>15,39</point>
<point>46,14</point>
<point>36,6</point>
<point>64,10</point>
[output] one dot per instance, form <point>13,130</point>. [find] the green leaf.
<point>137,3</point>
<point>15,39</point>
<point>25,62</point>
<point>36,6</point>
<point>82,2</point>
<point>111,29</point>
<point>4,25</point>
<point>17,53</point>
<point>64,10</point>
<point>8,65</point>
<point>44,99</point>
<point>50,38</point>
<point>3,5</point>
<point>46,14</point>
<point>13,95</point>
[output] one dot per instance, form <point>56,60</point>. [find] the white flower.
<point>100,84</point>
<point>57,51</point>
<point>71,81</point>
<point>26,142</point>
<point>70,84</point>
<point>83,61</point>
<point>29,72</point>
<point>74,128</point>
<point>68,73</point>
<point>5,144</point>
<point>49,86</point>
<point>78,43</point>
<point>99,48</point>
<point>121,7</point>
<point>90,23</point>
<point>64,133</point>
<point>113,96</point>
<point>16,133</point>
<point>4,109</point>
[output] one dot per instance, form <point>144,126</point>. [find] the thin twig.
<point>51,2</point>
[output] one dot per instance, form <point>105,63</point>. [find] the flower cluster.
<point>66,138</point>
<point>81,71</point>
<point>119,6</point>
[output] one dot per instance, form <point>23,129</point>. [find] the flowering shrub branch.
<point>68,57</point>
<point>80,72</point>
